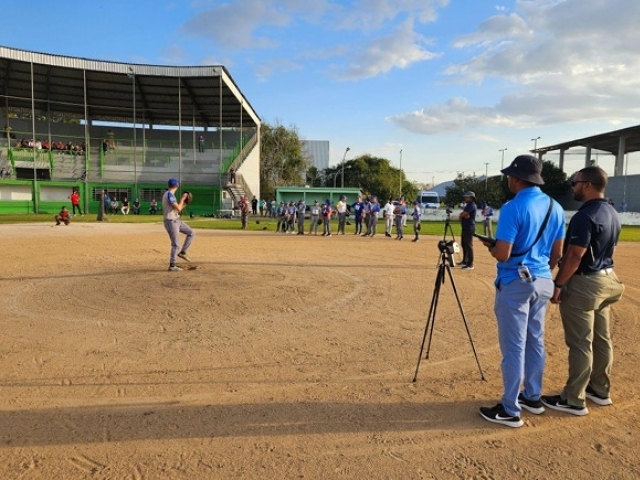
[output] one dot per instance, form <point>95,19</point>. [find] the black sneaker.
<point>597,399</point>
<point>555,402</point>
<point>498,415</point>
<point>533,406</point>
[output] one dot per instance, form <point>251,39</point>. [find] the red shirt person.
<point>75,201</point>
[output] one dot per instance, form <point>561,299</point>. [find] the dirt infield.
<point>280,357</point>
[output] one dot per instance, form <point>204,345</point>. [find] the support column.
<point>561,160</point>
<point>618,169</point>
<point>587,156</point>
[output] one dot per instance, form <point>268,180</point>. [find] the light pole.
<point>502,161</point>
<point>535,143</point>
<point>343,160</point>
<point>486,176</point>
<point>335,177</point>
<point>400,172</point>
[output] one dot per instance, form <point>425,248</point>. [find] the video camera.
<point>448,248</point>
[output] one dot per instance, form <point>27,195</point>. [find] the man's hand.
<point>557,294</point>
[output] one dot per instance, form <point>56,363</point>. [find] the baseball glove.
<point>189,197</point>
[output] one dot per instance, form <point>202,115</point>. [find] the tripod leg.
<point>464,319</point>
<point>428,328</point>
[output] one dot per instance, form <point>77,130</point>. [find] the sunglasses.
<point>573,183</point>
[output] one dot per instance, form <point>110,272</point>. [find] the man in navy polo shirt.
<point>585,287</point>
<point>528,246</point>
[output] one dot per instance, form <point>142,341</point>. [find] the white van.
<point>428,199</point>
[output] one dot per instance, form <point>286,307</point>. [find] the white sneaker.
<point>174,268</point>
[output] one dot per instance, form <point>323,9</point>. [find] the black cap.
<point>527,168</point>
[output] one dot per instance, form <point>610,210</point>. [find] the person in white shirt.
<point>387,214</point>
<point>341,208</point>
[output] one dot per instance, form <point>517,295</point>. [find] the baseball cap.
<point>527,168</point>
<point>315,201</point>
<point>469,194</point>
<point>415,202</point>
<point>173,182</point>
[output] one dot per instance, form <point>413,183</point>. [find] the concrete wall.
<point>619,188</point>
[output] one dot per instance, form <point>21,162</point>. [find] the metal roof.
<point>607,142</point>
<point>164,95</point>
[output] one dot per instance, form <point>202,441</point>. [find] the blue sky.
<point>448,82</point>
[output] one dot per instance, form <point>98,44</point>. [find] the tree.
<point>282,158</point>
<point>487,190</point>
<point>372,175</point>
<point>555,181</point>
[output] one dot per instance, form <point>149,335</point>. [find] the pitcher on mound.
<point>171,209</point>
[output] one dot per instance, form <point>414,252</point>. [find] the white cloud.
<point>396,50</point>
<point>562,60</point>
<point>234,25</point>
<point>281,65</point>
<point>252,24</point>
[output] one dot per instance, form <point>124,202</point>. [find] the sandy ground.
<point>280,357</point>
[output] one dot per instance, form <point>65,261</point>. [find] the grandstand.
<point>129,128</point>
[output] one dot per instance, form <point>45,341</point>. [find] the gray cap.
<point>469,194</point>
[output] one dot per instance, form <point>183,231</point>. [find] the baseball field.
<point>280,356</point>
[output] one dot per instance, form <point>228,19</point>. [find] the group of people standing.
<point>530,243</point>
<point>366,212</point>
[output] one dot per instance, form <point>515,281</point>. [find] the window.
<point>148,194</point>
<point>113,192</point>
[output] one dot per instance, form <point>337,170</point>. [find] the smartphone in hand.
<point>484,238</point>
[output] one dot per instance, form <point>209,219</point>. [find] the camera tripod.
<point>445,264</point>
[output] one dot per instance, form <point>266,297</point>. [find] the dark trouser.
<point>74,209</point>
<point>467,246</point>
<point>358,225</point>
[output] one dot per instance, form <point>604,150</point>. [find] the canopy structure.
<point>617,142</point>
<point>204,96</point>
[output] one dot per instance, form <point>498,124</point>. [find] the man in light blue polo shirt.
<point>528,246</point>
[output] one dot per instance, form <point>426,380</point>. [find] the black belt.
<point>604,271</point>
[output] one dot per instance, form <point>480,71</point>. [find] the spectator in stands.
<point>63,216</point>
<point>59,145</point>
<point>136,207</point>
<point>107,202</point>
<point>153,207</point>
<point>46,145</point>
<point>125,206</point>
<point>114,206</point>
<point>105,146</point>
<point>38,144</point>
<point>4,173</point>
<point>75,201</point>
<point>69,147</point>
<point>232,175</point>
<point>201,144</point>
<point>111,139</point>
<point>254,205</point>
<point>7,132</point>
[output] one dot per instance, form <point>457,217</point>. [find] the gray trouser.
<point>399,226</point>
<point>487,227</point>
<point>313,227</point>
<point>174,228</point>
<point>373,224</point>
<point>301,223</point>
<point>326,225</point>
<point>342,220</point>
